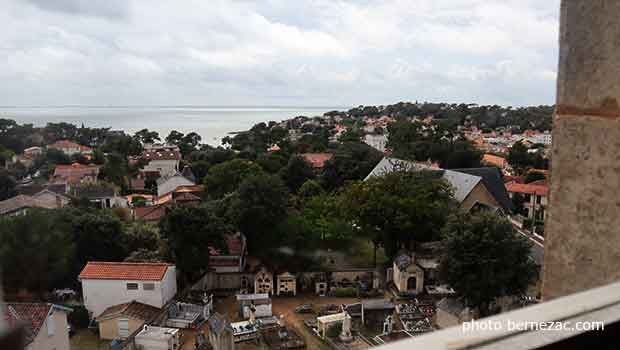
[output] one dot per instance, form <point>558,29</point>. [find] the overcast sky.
<point>277,52</point>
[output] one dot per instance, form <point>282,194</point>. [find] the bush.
<point>348,292</point>
<point>334,330</point>
<point>79,317</point>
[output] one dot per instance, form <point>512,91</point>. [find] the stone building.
<point>287,284</point>
<point>263,281</point>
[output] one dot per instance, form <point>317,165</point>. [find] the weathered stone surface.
<point>582,244</point>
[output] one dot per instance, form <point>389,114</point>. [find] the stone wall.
<point>582,243</point>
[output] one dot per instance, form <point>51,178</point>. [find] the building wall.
<point>402,277</point>
<point>479,194</point>
<point>582,239</point>
<point>58,341</point>
<point>108,329</point>
<point>164,167</point>
<point>101,294</point>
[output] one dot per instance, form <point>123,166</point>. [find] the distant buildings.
<point>163,160</point>
<point>20,204</point>
<point>74,174</point>
<point>106,284</point>
<point>70,148</point>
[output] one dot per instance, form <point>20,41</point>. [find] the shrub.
<point>348,292</point>
<point>79,317</point>
<point>334,330</point>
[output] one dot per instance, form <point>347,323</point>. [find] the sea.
<point>212,123</point>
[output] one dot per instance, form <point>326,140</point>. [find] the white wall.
<point>101,294</point>
<point>164,167</point>
<point>59,340</point>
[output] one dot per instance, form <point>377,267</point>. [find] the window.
<point>148,286</point>
<point>538,199</point>
<point>51,327</point>
<point>132,286</point>
<point>123,328</point>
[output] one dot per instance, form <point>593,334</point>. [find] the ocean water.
<point>212,123</point>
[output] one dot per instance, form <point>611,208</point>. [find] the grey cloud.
<point>112,9</point>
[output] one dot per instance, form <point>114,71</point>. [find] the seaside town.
<point>347,230</point>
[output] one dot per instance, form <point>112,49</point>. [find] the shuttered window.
<point>123,328</point>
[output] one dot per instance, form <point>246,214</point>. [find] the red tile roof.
<point>33,315</point>
<point>75,170</point>
<point>317,160</point>
<point>494,160</point>
<point>536,187</point>
<point>124,271</point>
<point>66,144</point>
<point>151,213</point>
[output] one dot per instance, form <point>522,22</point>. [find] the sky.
<point>277,52</point>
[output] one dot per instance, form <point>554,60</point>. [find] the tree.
<point>174,137</point>
<point>145,136</point>
<point>398,209</point>
<point>483,258</point>
<point>7,185</point>
<point>35,251</point>
<point>518,157</point>
<point>296,172</point>
<point>225,178</point>
<point>352,161</point>
<point>260,204</point>
<point>310,189</point>
<point>97,234</point>
<point>189,232</point>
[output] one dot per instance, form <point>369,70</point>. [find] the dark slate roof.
<point>492,180</point>
<point>403,261</point>
<point>188,174</point>
<point>92,192</point>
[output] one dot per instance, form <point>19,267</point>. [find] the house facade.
<point>45,323</point>
<point>106,284</point>
<point>162,159</point>
<point>535,197</point>
<point>119,321</point>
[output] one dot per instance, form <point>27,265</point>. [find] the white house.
<point>105,284</point>
<point>45,324</point>
<point>162,159</point>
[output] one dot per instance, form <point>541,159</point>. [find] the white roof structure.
<point>332,318</point>
<point>462,183</point>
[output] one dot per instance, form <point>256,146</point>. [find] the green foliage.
<point>79,317</point>
<point>261,203</point>
<point>334,330</point>
<point>7,185</point>
<point>483,258</point>
<point>309,189</point>
<point>352,161</point>
<point>398,208</point>
<point>440,142</point>
<point>347,292</point>
<point>226,177</point>
<point>189,232</point>
<point>521,160</point>
<point>296,172</point>
<point>123,145</point>
<point>35,250</point>
<point>145,136</point>
<point>272,162</point>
